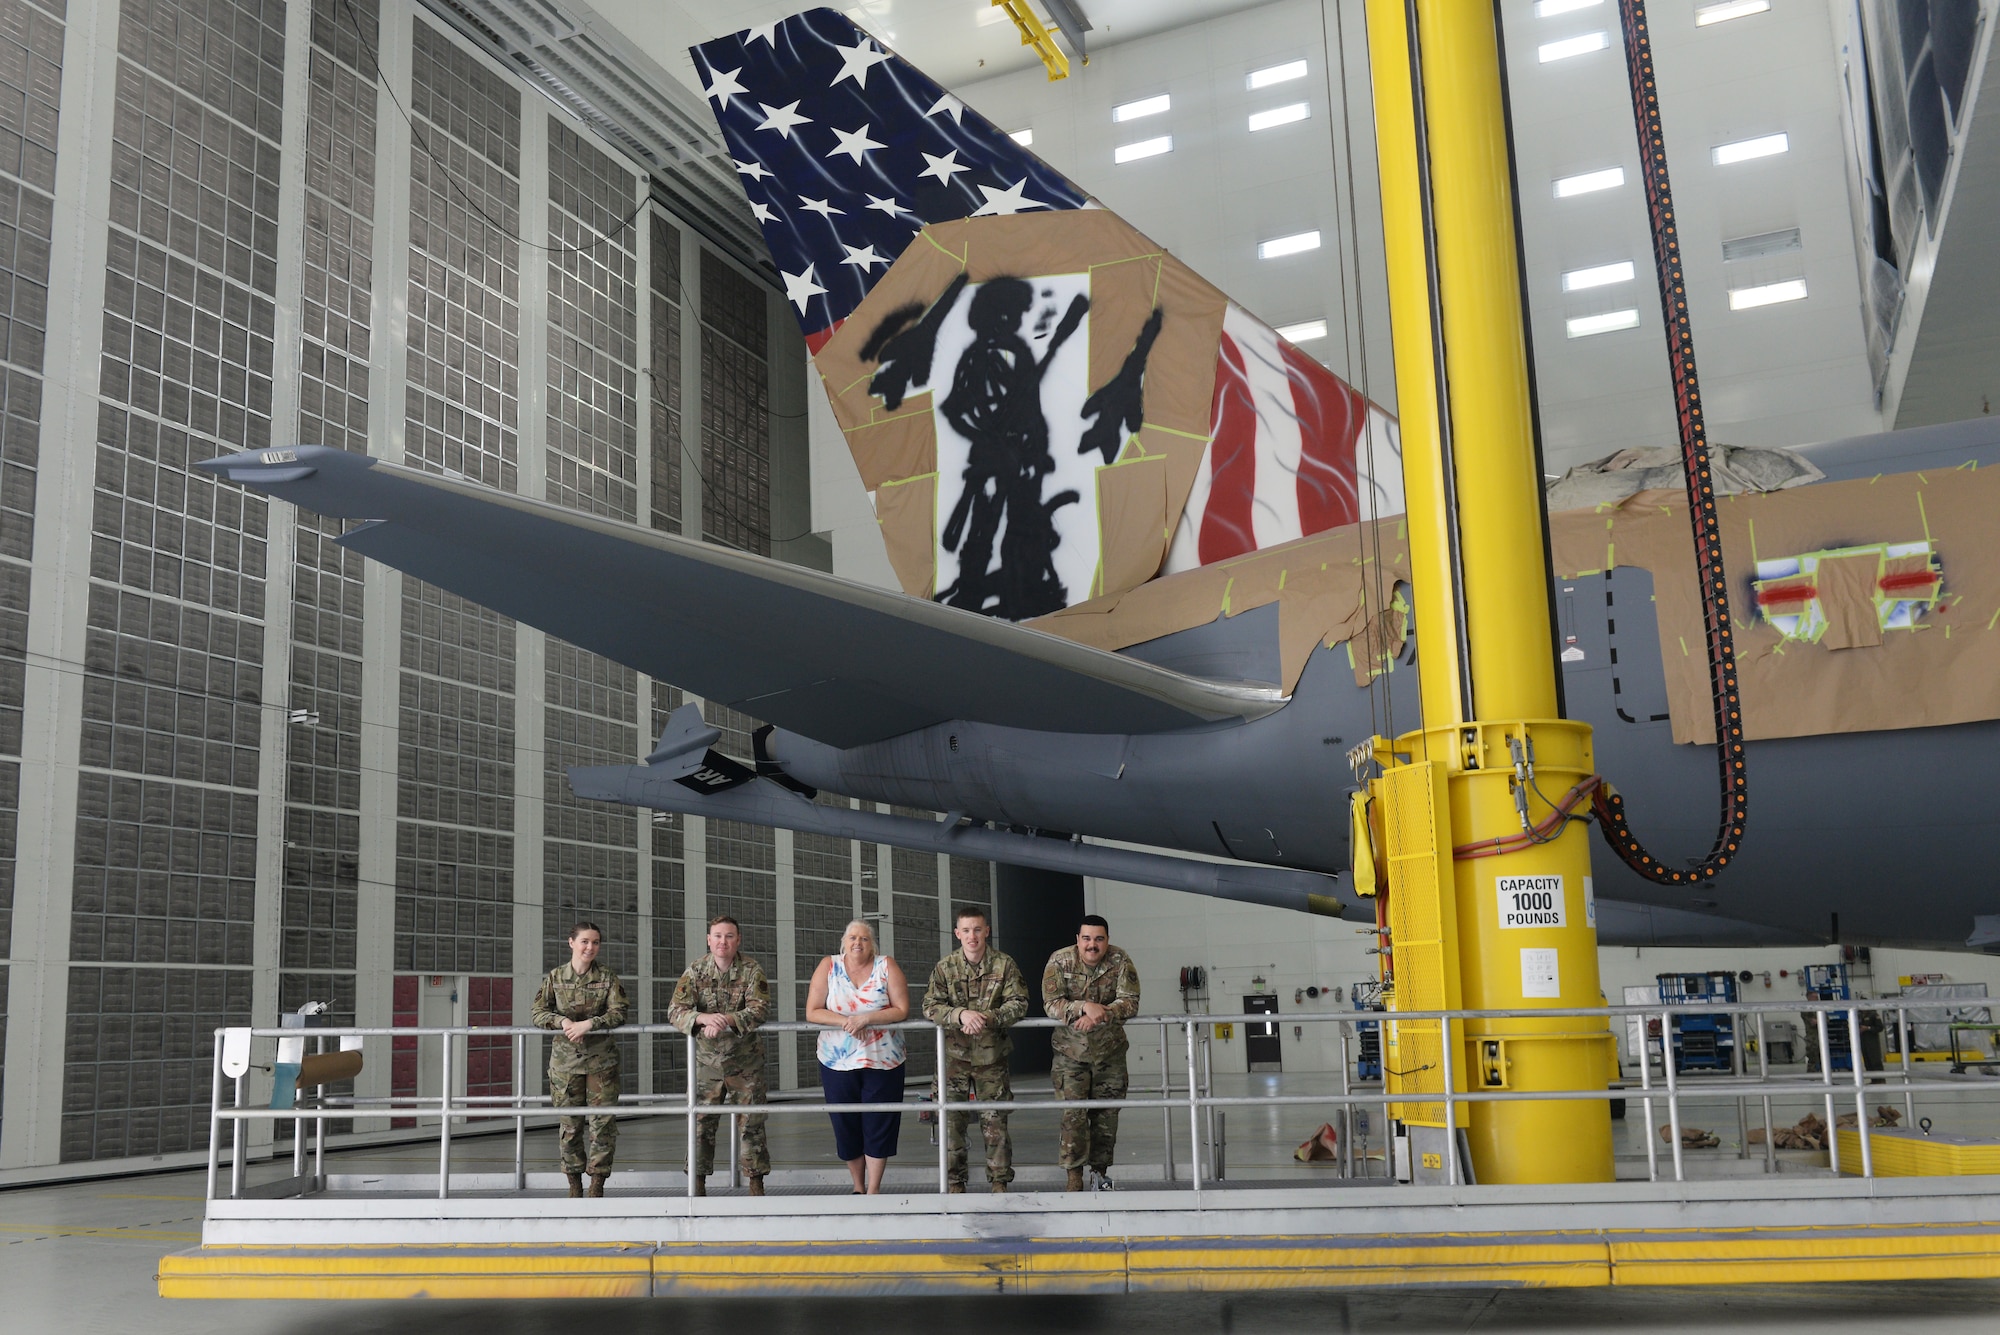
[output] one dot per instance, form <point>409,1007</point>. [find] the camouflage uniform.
<point>975,1065</point>
<point>728,1069</point>
<point>1090,1065</point>
<point>584,1072</point>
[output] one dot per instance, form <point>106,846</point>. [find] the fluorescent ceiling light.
<point>1285,73</point>
<point>1729,9</point>
<point>1303,332</point>
<point>1025,138</point>
<point>1279,246</point>
<point>1603,275</point>
<point>1768,294</point>
<point>1743,150</point>
<point>1264,120</point>
<point>1145,148</point>
<point>1583,326</point>
<point>1762,245</point>
<point>1548,9</point>
<point>1609,178</point>
<point>1145,106</point>
<point>1573,46</point>
<point>989,16</point>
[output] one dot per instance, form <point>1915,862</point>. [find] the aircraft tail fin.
<point>1046,407</point>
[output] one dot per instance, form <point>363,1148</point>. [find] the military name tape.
<point>1531,901</point>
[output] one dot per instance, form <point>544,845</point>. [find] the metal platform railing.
<point>1198,1100</point>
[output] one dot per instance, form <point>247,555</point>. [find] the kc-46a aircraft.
<point>1154,585</point>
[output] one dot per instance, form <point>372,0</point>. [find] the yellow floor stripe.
<point>1093,1265</point>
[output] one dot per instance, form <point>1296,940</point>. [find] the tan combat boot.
<point>956,1188</point>
<point>701,1186</point>
<point>756,1186</point>
<point>597,1181</point>
<point>1075,1182</point>
<point>576,1184</point>
<point>997,1188</point>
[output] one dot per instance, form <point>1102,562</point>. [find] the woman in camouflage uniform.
<point>585,1001</point>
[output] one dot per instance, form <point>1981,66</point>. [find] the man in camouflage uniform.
<point>975,994</point>
<point>585,1001</point>
<point>1092,988</point>
<point>721,999</point>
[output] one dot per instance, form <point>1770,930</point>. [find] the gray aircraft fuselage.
<point>1859,837</point>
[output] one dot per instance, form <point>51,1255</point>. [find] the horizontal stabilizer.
<point>765,803</point>
<point>836,661</point>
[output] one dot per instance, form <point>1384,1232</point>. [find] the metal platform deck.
<point>376,1225</point>
<point>1213,1240</point>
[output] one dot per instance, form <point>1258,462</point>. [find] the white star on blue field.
<point>846,152</point>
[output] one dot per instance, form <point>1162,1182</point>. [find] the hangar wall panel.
<point>286,775</point>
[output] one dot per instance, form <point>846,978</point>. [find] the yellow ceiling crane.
<point>1036,34</point>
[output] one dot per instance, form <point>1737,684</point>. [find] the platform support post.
<point>943,1124</point>
<point>1194,1111</point>
<point>1167,1114</point>
<point>215,1117</point>
<point>1764,1078</point>
<point>237,1146</point>
<point>690,1114</point>
<point>444,1119</point>
<point>520,1122</point>
<point>1855,1063</point>
<point>1479,562</point>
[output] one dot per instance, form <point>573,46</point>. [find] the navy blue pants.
<point>858,1134</point>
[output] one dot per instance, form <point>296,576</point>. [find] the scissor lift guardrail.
<point>1191,1232</point>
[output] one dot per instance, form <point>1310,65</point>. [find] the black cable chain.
<point>1610,807</point>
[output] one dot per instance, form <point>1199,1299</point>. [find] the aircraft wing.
<point>839,662</point>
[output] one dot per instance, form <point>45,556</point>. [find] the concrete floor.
<point>81,1258</point>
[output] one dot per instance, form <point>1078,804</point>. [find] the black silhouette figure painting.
<point>995,403</point>
<point>1019,437</point>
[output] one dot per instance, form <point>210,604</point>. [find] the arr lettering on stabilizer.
<point>1531,901</point>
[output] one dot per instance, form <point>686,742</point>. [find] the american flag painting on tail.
<point>1046,408</point>
<point>1294,450</point>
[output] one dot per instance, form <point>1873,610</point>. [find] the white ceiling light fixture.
<point>1573,46</point>
<point>1270,74</point>
<point>989,16</point>
<point>1145,148</point>
<point>1583,326</point>
<point>1762,246</point>
<point>1589,182</point>
<point>1279,246</point>
<point>1145,106</point>
<point>1548,9</point>
<point>1745,150</point>
<point>1264,120</point>
<point>1025,138</point>
<point>1303,332</point>
<point>1729,9</point>
<point>1602,275</point>
<point>1767,294</point>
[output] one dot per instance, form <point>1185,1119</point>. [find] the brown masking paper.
<point>1857,677</point>
<point>1329,587</point>
<point>1129,278</point>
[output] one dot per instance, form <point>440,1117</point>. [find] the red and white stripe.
<point>1288,455</point>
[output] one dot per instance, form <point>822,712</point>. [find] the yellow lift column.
<point>1518,929</point>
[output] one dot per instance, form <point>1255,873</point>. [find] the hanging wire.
<point>1354,339</point>
<point>1727,700</point>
